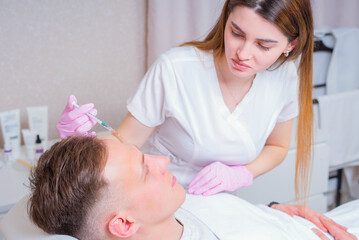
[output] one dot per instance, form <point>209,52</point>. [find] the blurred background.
<point>99,50</point>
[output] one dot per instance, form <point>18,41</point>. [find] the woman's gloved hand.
<point>320,220</point>
<point>74,120</point>
<point>218,177</point>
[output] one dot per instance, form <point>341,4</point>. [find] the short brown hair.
<point>66,184</point>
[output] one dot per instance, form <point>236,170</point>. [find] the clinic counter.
<point>14,180</point>
<point>14,183</point>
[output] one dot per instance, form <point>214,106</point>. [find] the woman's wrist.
<point>272,203</point>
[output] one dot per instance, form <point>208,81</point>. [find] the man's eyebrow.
<point>258,39</point>
<point>144,167</point>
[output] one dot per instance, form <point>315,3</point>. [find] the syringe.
<point>113,131</point>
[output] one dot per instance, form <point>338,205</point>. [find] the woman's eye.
<point>263,47</point>
<point>236,34</point>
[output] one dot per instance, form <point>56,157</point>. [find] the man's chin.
<point>183,194</point>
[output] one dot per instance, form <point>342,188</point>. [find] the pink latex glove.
<point>218,177</point>
<point>74,120</point>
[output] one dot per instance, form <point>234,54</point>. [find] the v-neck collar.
<point>219,96</point>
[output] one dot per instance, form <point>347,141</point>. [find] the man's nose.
<point>160,162</point>
<point>163,162</point>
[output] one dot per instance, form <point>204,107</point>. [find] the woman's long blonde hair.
<point>294,19</point>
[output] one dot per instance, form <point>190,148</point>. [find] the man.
<point>104,189</point>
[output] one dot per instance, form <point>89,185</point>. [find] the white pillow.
<point>16,225</point>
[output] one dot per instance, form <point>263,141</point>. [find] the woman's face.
<point>252,44</point>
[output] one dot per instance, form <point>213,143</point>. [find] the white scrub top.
<point>180,93</point>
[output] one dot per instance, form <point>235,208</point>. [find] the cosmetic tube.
<point>8,155</point>
<point>38,121</point>
<point>29,137</point>
<point>10,126</point>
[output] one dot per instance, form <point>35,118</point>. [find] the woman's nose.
<point>244,51</point>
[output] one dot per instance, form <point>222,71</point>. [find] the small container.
<point>7,154</point>
<point>29,140</point>
<point>39,150</point>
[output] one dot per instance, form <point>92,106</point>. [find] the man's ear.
<point>122,226</point>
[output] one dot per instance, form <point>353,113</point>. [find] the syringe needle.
<point>113,132</point>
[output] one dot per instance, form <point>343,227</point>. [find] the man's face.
<point>151,192</point>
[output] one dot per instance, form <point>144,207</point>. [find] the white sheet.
<point>230,217</point>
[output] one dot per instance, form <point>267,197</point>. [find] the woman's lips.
<point>239,65</point>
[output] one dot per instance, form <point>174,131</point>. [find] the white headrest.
<point>16,225</point>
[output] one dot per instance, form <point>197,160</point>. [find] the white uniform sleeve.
<point>290,108</point>
<point>157,91</point>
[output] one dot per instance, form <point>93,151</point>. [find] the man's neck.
<point>171,229</point>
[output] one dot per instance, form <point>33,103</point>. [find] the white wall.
<point>50,49</point>
<point>97,49</point>
<point>173,22</point>
<point>335,13</point>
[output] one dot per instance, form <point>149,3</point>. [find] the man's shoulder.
<point>193,228</point>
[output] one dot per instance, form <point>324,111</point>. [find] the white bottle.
<point>39,150</point>
<point>7,155</point>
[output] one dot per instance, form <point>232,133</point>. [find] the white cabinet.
<point>278,184</point>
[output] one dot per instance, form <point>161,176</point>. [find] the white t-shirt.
<point>232,218</point>
<point>180,93</point>
<point>193,228</point>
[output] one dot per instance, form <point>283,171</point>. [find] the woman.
<point>222,109</point>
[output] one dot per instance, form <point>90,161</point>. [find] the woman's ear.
<point>122,226</point>
<point>292,45</point>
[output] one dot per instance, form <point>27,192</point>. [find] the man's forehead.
<point>120,158</point>
<point>118,148</point>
